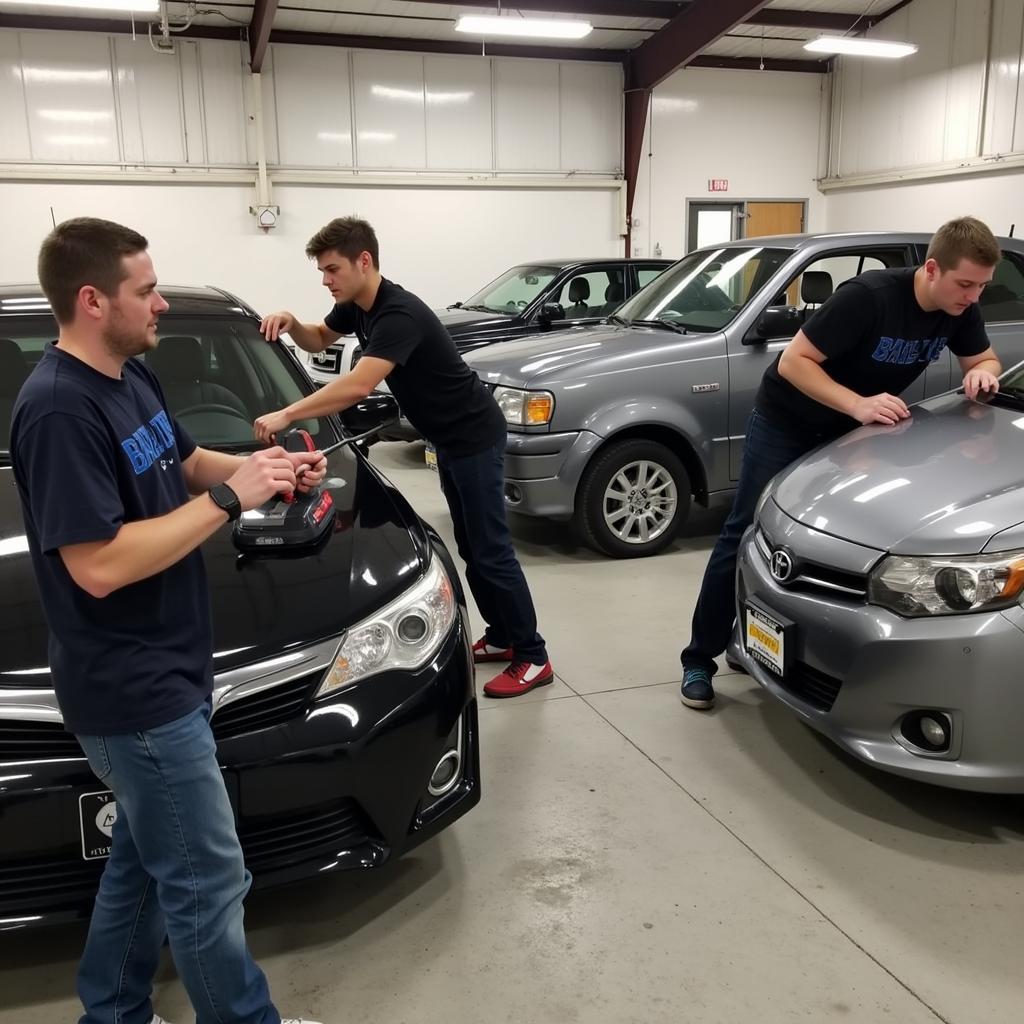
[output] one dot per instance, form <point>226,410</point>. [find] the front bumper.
<point>341,784</point>
<point>858,671</point>
<point>543,471</point>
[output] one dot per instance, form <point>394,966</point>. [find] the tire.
<point>603,521</point>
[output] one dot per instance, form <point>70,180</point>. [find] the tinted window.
<point>218,375</point>
<point>1003,299</point>
<point>593,294</point>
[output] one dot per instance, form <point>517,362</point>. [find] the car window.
<point>595,293</point>
<point>514,290</point>
<point>1003,299</point>
<point>645,275</point>
<point>818,280</point>
<point>705,290</point>
<point>217,374</point>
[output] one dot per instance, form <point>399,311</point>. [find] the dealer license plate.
<point>767,638</point>
<point>430,456</point>
<point>97,813</point>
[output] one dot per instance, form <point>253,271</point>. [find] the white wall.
<point>109,111</point>
<point>758,129</point>
<point>442,244</point>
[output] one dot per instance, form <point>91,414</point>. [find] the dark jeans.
<point>767,450</point>
<point>175,869</point>
<point>474,487</point>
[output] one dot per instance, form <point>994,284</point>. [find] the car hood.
<point>459,320</point>
<point>549,356</point>
<point>945,483</point>
<point>261,606</point>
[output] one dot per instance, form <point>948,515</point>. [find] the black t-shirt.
<point>90,454</point>
<point>442,397</point>
<point>876,339</point>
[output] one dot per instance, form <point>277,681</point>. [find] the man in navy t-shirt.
<point>404,341</point>
<point>117,499</point>
<point>847,366</point>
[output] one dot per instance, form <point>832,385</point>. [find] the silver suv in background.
<point>620,427</point>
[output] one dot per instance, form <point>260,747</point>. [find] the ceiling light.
<point>857,47</point>
<point>535,28</point>
<point>140,6</point>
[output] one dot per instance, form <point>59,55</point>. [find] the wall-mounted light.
<point>534,28</point>
<point>857,47</point>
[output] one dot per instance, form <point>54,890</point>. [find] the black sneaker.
<point>697,691</point>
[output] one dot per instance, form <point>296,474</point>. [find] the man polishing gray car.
<point>848,366</point>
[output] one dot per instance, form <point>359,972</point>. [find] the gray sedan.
<point>879,592</point>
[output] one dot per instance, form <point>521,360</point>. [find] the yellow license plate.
<point>430,457</point>
<point>766,639</point>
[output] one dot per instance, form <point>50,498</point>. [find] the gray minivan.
<point>620,427</point>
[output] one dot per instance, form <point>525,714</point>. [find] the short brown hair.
<point>965,238</point>
<point>84,251</point>
<point>347,236</point>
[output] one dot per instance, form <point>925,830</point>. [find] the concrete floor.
<point>632,861</point>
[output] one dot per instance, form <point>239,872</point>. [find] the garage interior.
<point>630,861</point>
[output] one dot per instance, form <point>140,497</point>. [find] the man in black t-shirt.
<point>847,366</point>
<point>404,342</point>
<point>117,499</point>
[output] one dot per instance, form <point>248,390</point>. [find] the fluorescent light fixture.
<point>858,47</point>
<point>139,6</point>
<point>534,28</point>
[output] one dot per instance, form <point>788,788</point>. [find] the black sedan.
<point>344,707</point>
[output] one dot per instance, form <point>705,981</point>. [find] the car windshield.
<point>513,291</point>
<point>217,373</point>
<point>705,290</point>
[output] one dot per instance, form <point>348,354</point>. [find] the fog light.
<point>446,774</point>
<point>513,495</point>
<point>931,731</point>
<point>412,628</point>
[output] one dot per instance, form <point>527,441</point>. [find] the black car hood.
<point>461,321</point>
<point>261,606</point>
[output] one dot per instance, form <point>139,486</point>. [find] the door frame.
<point>739,217</point>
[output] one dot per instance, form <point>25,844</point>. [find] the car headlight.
<point>525,408</point>
<point>947,586</point>
<point>405,634</point>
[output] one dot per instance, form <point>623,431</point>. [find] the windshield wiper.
<point>482,309</point>
<point>1012,397</point>
<point>616,319</point>
<point>663,324</point>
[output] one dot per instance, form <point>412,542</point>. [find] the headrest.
<point>178,359</point>
<point>579,290</point>
<point>615,292</point>
<point>816,287</point>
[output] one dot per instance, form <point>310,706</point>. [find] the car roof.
<point>183,300</point>
<point>840,238</point>
<point>565,264</point>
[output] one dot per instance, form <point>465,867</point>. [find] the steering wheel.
<point>223,410</point>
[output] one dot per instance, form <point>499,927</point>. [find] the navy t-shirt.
<point>876,338</point>
<point>441,396</point>
<point>90,454</point>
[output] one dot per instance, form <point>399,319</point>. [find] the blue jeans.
<point>474,487</point>
<point>767,450</point>
<point>175,869</point>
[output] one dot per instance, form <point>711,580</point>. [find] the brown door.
<point>773,219</point>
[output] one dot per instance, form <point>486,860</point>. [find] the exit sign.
<point>718,184</point>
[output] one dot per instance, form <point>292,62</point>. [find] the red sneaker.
<point>483,652</point>
<point>519,677</point>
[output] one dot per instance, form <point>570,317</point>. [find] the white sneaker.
<point>157,1019</point>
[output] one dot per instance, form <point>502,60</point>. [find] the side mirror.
<point>551,311</point>
<point>373,413</point>
<point>775,322</point>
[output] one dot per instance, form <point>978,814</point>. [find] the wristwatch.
<point>225,498</point>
